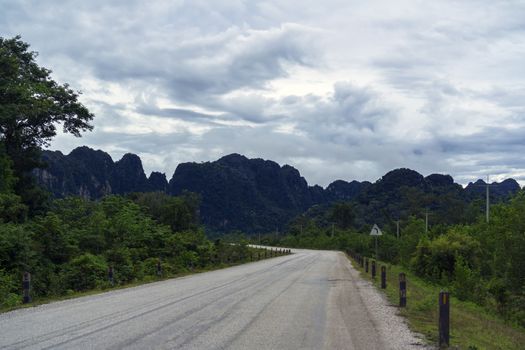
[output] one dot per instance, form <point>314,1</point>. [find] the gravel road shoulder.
<point>360,316</point>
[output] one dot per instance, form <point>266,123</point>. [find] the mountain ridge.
<point>239,193</point>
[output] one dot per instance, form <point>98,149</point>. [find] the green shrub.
<point>467,284</point>
<point>8,291</point>
<point>86,272</point>
<point>120,260</point>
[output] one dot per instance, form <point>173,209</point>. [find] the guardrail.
<point>254,254</point>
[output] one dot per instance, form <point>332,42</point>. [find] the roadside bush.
<point>467,283</point>
<point>410,237</point>
<point>149,267</point>
<point>86,272</point>
<point>15,247</point>
<point>10,295</point>
<point>120,260</point>
<point>436,259</point>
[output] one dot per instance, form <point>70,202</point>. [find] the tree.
<point>31,106</point>
<point>343,215</point>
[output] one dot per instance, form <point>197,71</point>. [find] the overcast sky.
<point>339,89</point>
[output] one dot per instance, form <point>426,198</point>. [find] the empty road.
<point>307,300</point>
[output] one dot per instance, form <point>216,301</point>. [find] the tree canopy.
<point>32,105</point>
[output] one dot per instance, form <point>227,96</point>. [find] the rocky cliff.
<point>257,195</point>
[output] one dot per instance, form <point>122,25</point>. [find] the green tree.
<point>180,213</point>
<point>31,106</point>
<point>343,215</point>
<point>11,207</point>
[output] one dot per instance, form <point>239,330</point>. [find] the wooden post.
<point>444,319</point>
<point>159,268</point>
<point>110,276</point>
<point>402,290</point>
<point>383,277</point>
<point>26,286</point>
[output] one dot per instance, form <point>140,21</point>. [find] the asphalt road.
<point>307,300</point>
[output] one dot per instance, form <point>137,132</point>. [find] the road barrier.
<point>216,258</point>
<point>110,276</point>
<point>402,290</point>
<point>444,297</point>
<point>159,268</point>
<point>444,319</point>
<point>26,286</point>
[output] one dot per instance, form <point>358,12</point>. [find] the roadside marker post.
<point>26,286</point>
<point>366,265</point>
<point>383,277</point>
<point>373,269</point>
<point>444,319</point>
<point>159,268</point>
<point>110,276</point>
<point>402,290</point>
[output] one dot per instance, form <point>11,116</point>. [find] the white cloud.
<point>338,89</point>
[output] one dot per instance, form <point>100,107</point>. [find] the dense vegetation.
<point>71,247</point>
<point>479,261</point>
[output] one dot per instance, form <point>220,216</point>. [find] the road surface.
<point>307,300</point>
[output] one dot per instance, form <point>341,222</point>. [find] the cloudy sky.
<point>339,89</point>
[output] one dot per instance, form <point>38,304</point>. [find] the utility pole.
<point>426,221</point>
<point>397,230</point>
<point>488,200</point>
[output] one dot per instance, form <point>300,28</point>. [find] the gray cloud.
<point>339,89</point>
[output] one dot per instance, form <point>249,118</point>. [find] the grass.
<point>471,326</point>
<point>148,279</point>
